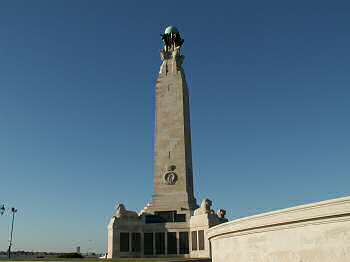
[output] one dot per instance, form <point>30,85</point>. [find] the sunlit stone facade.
<point>172,224</point>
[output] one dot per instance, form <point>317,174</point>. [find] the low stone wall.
<point>318,232</point>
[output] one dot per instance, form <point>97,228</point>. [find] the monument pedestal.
<point>162,233</point>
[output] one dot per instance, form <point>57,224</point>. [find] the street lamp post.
<point>2,209</point>
<point>13,210</point>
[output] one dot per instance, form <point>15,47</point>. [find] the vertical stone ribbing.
<point>173,179</point>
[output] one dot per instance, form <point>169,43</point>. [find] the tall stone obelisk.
<point>173,176</point>
<point>172,224</point>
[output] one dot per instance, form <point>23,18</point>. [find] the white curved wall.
<point>318,232</point>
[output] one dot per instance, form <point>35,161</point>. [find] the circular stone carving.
<point>170,178</point>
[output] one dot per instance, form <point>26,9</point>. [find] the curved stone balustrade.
<point>317,232</point>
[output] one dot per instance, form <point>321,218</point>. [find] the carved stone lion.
<point>121,212</point>
<point>204,207</point>
<point>221,215</point>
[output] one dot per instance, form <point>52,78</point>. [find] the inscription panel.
<point>194,240</point>
<point>136,242</point>
<point>201,239</point>
<point>184,243</point>
<point>160,243</point>
<point>148,243</point>
<point>172,243</point>
<point>124,241</point>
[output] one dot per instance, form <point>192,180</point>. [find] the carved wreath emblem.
<point>170,177</point>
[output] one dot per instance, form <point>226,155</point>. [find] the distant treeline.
<point>28,253</point>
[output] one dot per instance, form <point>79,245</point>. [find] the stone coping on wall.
<point>337,209</point>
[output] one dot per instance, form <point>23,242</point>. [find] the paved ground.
<point>192,260</point>
<point>113,260</point>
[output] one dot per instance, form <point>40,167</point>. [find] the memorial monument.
<point>172,224</point>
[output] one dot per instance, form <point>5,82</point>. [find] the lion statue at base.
<point>221,215</point>
<point>121,212</point>
<point>205,208</point>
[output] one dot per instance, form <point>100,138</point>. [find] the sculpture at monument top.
<point>171,51</point>
<point>171,39</point>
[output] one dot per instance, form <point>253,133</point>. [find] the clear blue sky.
<point>270,104</point>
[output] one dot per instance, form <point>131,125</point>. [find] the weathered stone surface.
<point>173,179</point>
<point>318,232</point>
<point>203,219</point>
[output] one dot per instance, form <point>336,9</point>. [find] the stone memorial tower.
<point>172,223</point>
<point>173,179</point>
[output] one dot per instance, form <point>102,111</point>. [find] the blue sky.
<point>269,85</point>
